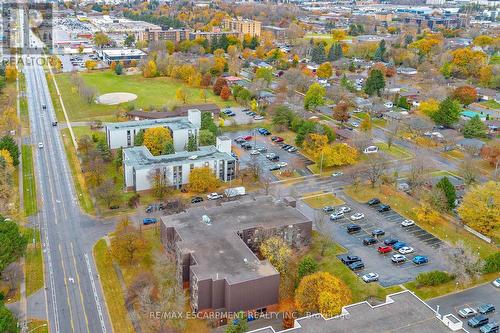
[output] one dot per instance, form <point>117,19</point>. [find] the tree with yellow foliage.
<point>277,251</point>
<point>480,208</point>
<point>486,75</point>
<point>429,107</point>
<point>425,45</point>
<point>8,120</point>
<point>90,64</point>
<point>10,73</point>
<point>6,156</point>
<point>150,69</point>
<point>156,138</point>
<point>128,245</point>
<point>483,40</point>
<point>337,155</point>
<point>314,144</point>
<point>181,95</point>
<point>322,292</point>
<point>366,124</point>
<point>202,180</point>
<point>339,35</point>
<point>324,70</point>
<point>467,61</point>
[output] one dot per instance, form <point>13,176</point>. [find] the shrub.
<point>433,278</point>
<point>492,263</point>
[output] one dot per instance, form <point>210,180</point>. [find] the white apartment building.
<point>123,134</point>
<point>140,165</point>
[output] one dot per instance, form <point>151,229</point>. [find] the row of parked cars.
<point>478,318</point>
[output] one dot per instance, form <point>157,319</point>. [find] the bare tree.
<point>417,174</point>
<point>354,174</point>
<point>392,133</point>
<point>107,192</point>
<point>321,223</point>
<point>12,274</point>
<point>361,141</point>
<point>266,183</point>
<point>464,264</point>
<point>254,168</point>
<point>375,169</point>
<point>160,184</point>
<point>469,170</point>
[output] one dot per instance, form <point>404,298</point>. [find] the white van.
<point>371,150</point>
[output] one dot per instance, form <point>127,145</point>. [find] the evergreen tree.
<point>214,43</point>
<point>448,112</point>
<point>119,69</point>
<point>449,191</point>
<point>380,52</point>
<point>8,143</point>
<point>335,52</point>
<point>375,82</point>
<point>192,144</point>
<point>169,148</point>
<point>119,158</point>
<point>474,128</point>
<point>139,138</point>
<point>318,54</point>
<point>254,43</point>
<point>223,42</point>
<point>408,40</point>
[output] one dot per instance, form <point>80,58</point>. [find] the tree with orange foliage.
<point>219,84</point>
<point>112,66</point>
<point>467,61</point>
<point>10,73</point>
<point>225,93</point>
<point>465,94</point>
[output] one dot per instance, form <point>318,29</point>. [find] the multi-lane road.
<point>72,288</point>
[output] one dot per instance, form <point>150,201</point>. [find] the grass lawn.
<point>361,291</point>
<point>38,326</point>
<point>454,154</point>
<point>446,288</point>
<point>322,200</point>
<point>155,92</point>
<point>491,104</point>
<point>115,300</point>
<point>375,121</point>
<point>395,151</point>
<point>406,206</point>
<point>29,182</point>
<point>285,175</point>
<point>33,263</point>
<point>80,186</point>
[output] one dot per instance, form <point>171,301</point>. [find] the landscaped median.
<point>33,263</point>
<point>29,182</point>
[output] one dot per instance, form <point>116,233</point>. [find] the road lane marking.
<point>79,287</point>
<point>96,296</point>
<point>67,290</point>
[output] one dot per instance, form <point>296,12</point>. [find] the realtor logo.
<point>27,28</point>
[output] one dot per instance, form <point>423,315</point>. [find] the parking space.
<point>241,116</point>
<point>472,298</point>
<point>294,160</point>
<point>423,243</point>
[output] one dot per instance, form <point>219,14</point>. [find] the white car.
<point>405,250</point>
<point>214,196</point>
<point>398,258</point>
<point>388,105</point>
<point>370,277</point>
<point>407,223</point>
<point>258,117</point>
<point>282,164</point>
<point>40,145</point>
<point>496,282</point>
<point>254,152</point>
<point>344,209</point>
<point>336,216</point>
<point>467,312</point>
<point>337,174</point>
<point>357,216</point>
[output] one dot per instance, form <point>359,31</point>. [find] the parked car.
<point>357,265</point>
<point>496,283</point>
<point>486,308</point>
<point>398,245</point>
<point>384,208</point>
<point>489,328</point>
<point>336,216</point>
<point>285,146</point>
<point>214,196</point>
<point>384,249</point>
<point>263,131</point>
<point>369,241</point>
<point>478,321</point>
<point>239,140</point>
<point>337,174</point>
<point>282,164</point>
<point>398,258</point>
<point>328,209</point>
<point>277,139</point>
<point>248,137</point>
<point>254,152</point>
<point>407,223</point>
<point>350,259</point>
<point>357,216</point>
<point>390,241</point>
<point>419,260</point>
<point>149,220</point>
<point>372,202</point>
<point>344,209</point>
<point>406,250</point>
<point>261,149</point>
<point>196,199</point>
<point>292,149</point>
<point>352,228</point>
<point>370,277</point>
<point>378,232</point>
<point>258,117</point>
<point>467,312</point>
<point>274,167</point>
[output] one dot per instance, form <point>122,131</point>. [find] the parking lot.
<point>423,243</point>
<point>485,294</point>
<point>240,116</point>
<point>293,160</point>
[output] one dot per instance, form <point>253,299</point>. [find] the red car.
<point>384,249</point>
<point>277,139</point>
<point>248,137</point>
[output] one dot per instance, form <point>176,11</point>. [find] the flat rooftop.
<point>123,52</point>
<point>141,158</point>
<point>217,249</point>
<point>402,312</point>
<point>173,123</point>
